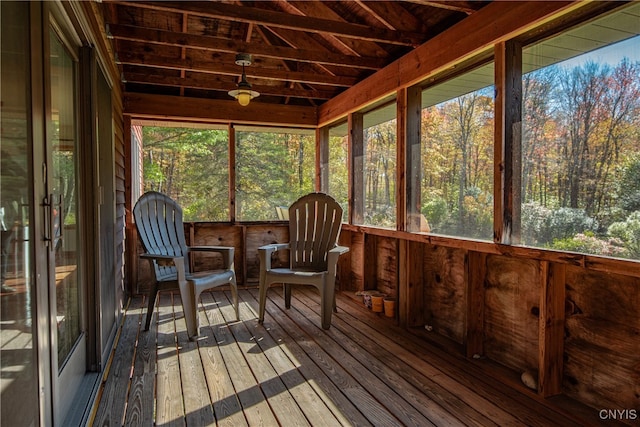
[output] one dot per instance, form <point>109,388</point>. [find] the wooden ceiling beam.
<point>142,106</point>
<point>395,15</point>
<point>298,40</point>
<point>170,38</point>
<point>203,81</point>
<point>467,7</point>
<point>146,59</point>
<point>266,17</point>
<point>320,9</point>
<point>273,40</point>
<point>373,16</point>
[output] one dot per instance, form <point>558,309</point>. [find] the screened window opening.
<point>339,166</point>
<point>379,167</point>
<point>457,155</point>
<point>581,147</point>
<point>190,165</point>
<point>274,167</point>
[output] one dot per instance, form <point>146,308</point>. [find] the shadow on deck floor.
<point>289,371</point>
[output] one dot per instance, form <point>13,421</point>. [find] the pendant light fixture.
<point>243,94</point>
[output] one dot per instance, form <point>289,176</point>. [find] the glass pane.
<point>274,168</point>
<point>192,167</point>
<point>457,155</point>
<point>581,151</point>
<point>18,369</point>
<point>65,197</point>
<point>380,167</point>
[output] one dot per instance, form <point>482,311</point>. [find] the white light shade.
<point>244,94</point>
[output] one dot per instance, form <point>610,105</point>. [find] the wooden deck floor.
<point>289,371</point>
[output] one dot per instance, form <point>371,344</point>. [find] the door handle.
<point>53,217</point>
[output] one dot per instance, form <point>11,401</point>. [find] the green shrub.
<point>628,232</point>
<point>588,243</point>
<point>541,225</point>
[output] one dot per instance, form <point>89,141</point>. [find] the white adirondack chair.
<point>160,228</point>
<point>314,227</point>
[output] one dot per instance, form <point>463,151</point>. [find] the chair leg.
<point>328,303</point>
<point>189,306</point>
<point>287,295</point>
<point>234,296</point>
<point>153,294</point>
<point>262,299</point>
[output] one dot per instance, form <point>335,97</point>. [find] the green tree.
<point>380,176</point>
<point>191,166</point>
<point>273,169</point>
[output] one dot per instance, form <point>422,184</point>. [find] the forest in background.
<point>580,161</point>
<point>580,164</point>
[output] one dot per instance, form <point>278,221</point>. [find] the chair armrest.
<point>264,253</point>
<point>333,255</point>
<point>167,260</point>
<point>340,250</point>
<point>227,253</point>
<point>163,260</point>
<point>274,247</point>
<point>211,248</point>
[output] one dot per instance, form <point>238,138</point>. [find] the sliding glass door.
<point>65,220</point>
<point>19,401</point>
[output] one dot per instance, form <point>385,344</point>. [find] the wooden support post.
<point>344,279</point>
<point>507,142</point>
<point>403,302</point>
<point>476,272</point>
<point>356,167</point>
<point>232,173</point>
<point>245,265</point>
<point>357,253</point>
<point>412,159</point>
<point>322,159</point>
<point>370,261</point>
<point>131,235</point>
<point>411,284</point>
<point>551,328</point>
<point>192,242</point>
<point>401,149</point>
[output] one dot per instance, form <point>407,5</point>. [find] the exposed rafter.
<point>305,52</point>
<point>170,38</point>
<point>467,7</point>
<point>203,81</point>
<point>144,59</point>
<point>283,20</point>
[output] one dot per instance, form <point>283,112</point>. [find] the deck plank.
<point>254,404</point>
<point>367,372</point>
<point>115,388</point>
<point>197,403</point>
<point>353,391</point>
<point>169,407</point>
<point>140,407</point>
<point>414,380</point>
<point>464,372</point>
<point>226,404</point>
<point>364,370</point>
<point>361,393</point>
<point>310,367</point>
<point>311,404</point>
<point>278,396</point>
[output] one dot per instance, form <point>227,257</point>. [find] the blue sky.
<point>611,54</point>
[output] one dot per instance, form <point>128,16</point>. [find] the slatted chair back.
<point>161,230</point>
<point>314,226</point>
